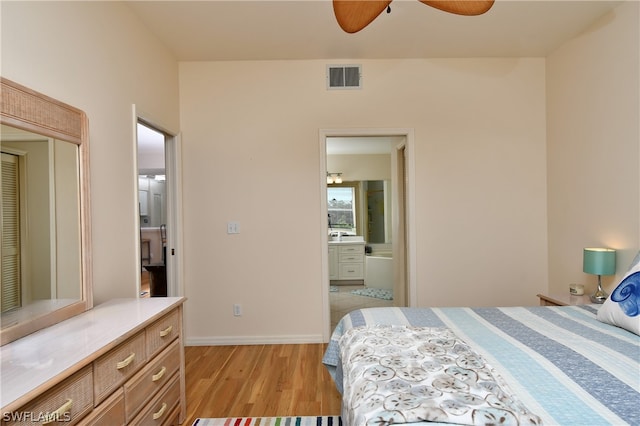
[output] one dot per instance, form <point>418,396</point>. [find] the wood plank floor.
<point>258,381</point>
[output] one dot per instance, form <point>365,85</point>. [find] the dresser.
<point>121,362</point>
<point>346,262</point>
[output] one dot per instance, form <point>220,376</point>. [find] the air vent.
<point>344,77</point>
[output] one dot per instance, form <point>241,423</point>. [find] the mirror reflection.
<point>151,193</point>
<point>41,236</point>
<point>152,196</point>
<point>359,187</point>
<point>360,208</point>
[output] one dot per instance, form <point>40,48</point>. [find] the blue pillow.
<point>622,308</point>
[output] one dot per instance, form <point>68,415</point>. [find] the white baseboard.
<point>252,340</point>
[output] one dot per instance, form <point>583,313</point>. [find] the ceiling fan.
<point>354,15</point>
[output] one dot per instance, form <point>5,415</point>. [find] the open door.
<point>159,198</point>
<point>399,215</point>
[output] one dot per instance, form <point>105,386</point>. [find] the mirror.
<point>378,201</point>
<point>46,256</point>
<point>366,203</point>
<point>151,193</point>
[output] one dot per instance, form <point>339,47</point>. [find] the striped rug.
<point>271,421</point>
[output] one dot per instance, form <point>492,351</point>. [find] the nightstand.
<point>563,299</point>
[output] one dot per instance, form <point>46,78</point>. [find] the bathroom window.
<point>342,205</point>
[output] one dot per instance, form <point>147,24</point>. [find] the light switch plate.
<point>233,228</point>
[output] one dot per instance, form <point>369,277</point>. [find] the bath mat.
<point>271,421</point>
<point>378,293</point>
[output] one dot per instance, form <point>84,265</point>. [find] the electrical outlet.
<point>237,310</point>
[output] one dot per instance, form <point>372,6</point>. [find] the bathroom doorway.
<point>158,199</point>
<point>351,155</point>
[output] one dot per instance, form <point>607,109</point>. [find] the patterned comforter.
<point>402,374</point>
<point>559,362</point>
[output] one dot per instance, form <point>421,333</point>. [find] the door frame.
<point>407,148</point>
<point>173,161</point>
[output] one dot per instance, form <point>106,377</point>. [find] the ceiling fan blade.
<point>354,15</point>
<point>461,7</point>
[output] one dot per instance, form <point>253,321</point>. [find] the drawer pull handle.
<point>128,360</point>
<point>159,374</point>
<point>160,412</point>
<point>57,415</point>
<point>166,331</point>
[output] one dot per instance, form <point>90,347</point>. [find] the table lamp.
<point>599,261</point>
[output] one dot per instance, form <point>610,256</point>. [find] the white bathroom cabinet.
<point>346,262</point>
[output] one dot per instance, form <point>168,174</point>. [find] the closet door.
<point>10,247</point>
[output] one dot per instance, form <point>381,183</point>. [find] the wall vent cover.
<point>341,77</point>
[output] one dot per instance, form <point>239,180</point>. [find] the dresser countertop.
<point>45,357</point>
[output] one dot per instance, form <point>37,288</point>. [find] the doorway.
<point>158,198</point>
<point>394,149</point>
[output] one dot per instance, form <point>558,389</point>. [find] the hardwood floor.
<point>258,381</point>
<point>266,380</point>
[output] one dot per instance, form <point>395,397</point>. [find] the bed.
<point>553,365</point>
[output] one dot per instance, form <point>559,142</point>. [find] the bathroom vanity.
<point>346,261</point>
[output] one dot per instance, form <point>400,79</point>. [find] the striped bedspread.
<point>562,363</point>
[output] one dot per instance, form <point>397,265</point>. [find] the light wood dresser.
<point>119,363</point>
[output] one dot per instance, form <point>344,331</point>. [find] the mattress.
<point>562,363</point>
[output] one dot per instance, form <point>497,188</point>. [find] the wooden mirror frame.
<point>26,109</point>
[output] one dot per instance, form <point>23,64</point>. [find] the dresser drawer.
<point>161,408</point>
<point>148,381</point>
<point>66,403</point>
<point>351,271</point>
<point>174,417</point>
<point>117,365</point>
<point>109,413</point>
<point>162,332</point>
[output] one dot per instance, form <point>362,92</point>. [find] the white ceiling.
<point>214,30</point>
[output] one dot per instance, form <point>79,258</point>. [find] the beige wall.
<point>594,148</point>
<point>361,167</point>
<point>67,220</point>
<point>251,149</point>
<point>98,57</point>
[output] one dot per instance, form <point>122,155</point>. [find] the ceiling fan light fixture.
<point>461,7</point>
<point>354,15</point>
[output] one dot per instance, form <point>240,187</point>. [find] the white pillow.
<point>622,308</point>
